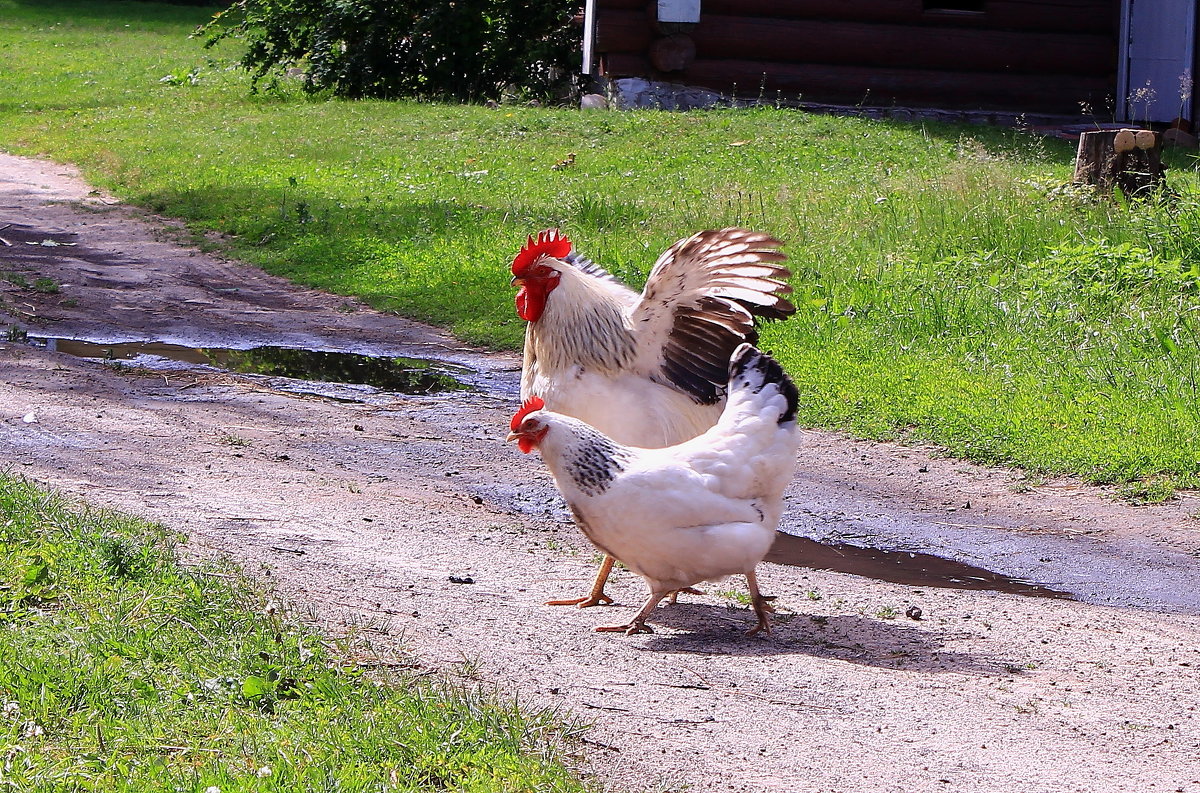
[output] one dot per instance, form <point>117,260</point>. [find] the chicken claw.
<point>583,602</point>
<point>630,629</point>
<point>596,597</point>
<point>638,623</point>
<point>687,590</point>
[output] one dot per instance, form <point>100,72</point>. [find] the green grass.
<point>120,670</point>
<point>951,287</point>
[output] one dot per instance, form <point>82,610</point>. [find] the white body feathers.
<point>699,510</point>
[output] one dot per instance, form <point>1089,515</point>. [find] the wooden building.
<point>1048,57</point>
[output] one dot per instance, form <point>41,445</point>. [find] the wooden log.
<point>1082,16</point>
<point>624,31</point>
<point>673,53</point>
<point>849,85</point>
<point>856,44</point>
<point>859,44</point>
<point>642,5</point>
<point>1130,159</point>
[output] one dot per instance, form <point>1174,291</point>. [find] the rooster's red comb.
<point>531,404</point>
<point>550,242</point>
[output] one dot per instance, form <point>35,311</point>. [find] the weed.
<point>737,596</point>
<point>887,612</point>
<point>16,279</point>
<point>1153,490</point>
<point>234,440</point>
<point>1030,706</point>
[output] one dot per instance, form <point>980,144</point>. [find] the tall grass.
<point>122,671</point>
<point>952,287</point>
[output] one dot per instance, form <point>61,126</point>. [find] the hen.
<point>649,369</point>
<point>703,509</point>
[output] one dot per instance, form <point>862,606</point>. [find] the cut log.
<point>1130,159</point>
<point>673,53</point>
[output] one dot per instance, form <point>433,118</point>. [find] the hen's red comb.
<point>531,404</point>
<point>550,242</point>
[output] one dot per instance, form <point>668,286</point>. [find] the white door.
<point>1158,46</point>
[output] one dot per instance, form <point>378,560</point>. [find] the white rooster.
<point>703,509</point>
<point>649,369</point>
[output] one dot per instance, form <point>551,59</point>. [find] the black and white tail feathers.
<point>751,370</point>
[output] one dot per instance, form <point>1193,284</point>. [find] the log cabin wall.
<point>1037,56</point>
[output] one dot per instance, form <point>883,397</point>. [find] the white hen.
<point>700,510</point>
<point>646,369</point>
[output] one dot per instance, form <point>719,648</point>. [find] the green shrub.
<point>467,50</point>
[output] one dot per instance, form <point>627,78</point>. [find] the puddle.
<point>394,374</point>
<point>899,567</point>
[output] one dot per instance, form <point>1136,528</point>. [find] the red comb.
<point>531,404</point>
<point>550,242</point>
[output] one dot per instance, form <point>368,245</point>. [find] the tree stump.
<point>1130,159</point>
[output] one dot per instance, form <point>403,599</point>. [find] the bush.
<point>467,50</point>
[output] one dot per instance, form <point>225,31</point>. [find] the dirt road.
<point>365,510</point>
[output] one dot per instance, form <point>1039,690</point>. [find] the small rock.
<point>913,613</point>
<point>466,579</point>
<point>593,102</point>
<point>1177,137</point>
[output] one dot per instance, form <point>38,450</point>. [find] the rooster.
<point>703,509</point>
<point>646,370</point>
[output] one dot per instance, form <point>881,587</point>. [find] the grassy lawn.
<point>122,671</point>
<point>951,287</point>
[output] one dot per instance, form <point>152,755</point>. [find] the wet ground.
<point>887,544</point>
<point>941,626</point>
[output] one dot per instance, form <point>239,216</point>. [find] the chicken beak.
<point>516,281</point>
<point>512,436</point>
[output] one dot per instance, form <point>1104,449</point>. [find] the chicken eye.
<point>544,272</point>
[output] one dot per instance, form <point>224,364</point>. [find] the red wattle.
<point>525,445</point>
<point>530,303</point>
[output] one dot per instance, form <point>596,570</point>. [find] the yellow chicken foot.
<point>638,623</point>
<point>596,597</point>
<point>687,590</point>
<point>761,607</point>
<point>628,630</point>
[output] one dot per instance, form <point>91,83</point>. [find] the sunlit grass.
<point>120,670</point>
<point>935,266</point>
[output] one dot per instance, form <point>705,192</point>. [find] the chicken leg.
<point>761,607</point>
<point>596,596</point>
<point>638,623</point>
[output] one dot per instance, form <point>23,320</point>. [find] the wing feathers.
<point>701,301</point>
